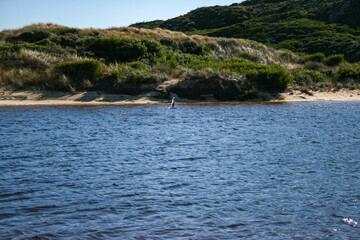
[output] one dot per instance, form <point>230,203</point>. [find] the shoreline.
<point>94,98</point>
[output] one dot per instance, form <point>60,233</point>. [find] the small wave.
<point>350,222</point>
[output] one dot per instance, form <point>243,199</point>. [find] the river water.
<point>282,171</point>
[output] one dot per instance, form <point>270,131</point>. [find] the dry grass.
<point>27,78</point>
<point>221,47</point>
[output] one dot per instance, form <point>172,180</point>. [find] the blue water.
<point>283,171</point>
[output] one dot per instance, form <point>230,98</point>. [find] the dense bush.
<point>79,71</point>
<point>327,26</point>
<point>273,78</point>
<point>136,61</point>
<point>308,77</point>
<point>137,73</point>
<point>193,48</point>
<point>169,43</point>
<point>65,30</point>
<point>317,57</point>
<point>67,40</point>
<point>335,60</point>
<point>349,73</point>
<point>11,48</point>
<point>32,36</point>
<point>124,50</point>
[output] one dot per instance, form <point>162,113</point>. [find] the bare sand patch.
<point>96,98</point>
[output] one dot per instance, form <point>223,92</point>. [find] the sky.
<point>95,13</point>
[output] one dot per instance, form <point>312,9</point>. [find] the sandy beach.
<point>95,98</point>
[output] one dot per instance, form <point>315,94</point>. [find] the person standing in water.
<point>173,102</point>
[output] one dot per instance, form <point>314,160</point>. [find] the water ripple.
<point>201,172</point>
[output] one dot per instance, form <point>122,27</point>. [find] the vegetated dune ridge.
<point>309,26</point>
<point>126,64</point>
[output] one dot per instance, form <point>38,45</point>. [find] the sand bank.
<point>94,98</point>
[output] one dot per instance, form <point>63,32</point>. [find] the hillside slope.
<point>161,63</point>
<point>310,26</point>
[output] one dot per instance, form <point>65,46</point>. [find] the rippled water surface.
<point>198,172</point>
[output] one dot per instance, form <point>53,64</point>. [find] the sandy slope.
<point>93,98</point>
<point>340,95</point>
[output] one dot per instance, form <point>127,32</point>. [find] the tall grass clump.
<point>29,78</point>
<point>349,73</point>
<point>80,72</point>
<point>305,77</point>
<point>138,73</point>
<point>272,78</point>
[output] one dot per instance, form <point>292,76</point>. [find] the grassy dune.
<point>133,61</point>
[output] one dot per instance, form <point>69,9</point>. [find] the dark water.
<point>286,171</point>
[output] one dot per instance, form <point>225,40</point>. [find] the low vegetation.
<point>308,26</point>
<point>132,61</point>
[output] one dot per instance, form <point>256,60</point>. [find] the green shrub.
<point>138,65</point>
<point>136,73</point>
<point>347,73</point>
<point>11,48</point>
<point>79,71</point>
<point>118,49</point>
<point>317,57</point>
<point>193,48</point>
<point>335,60</point>
<point>45,42</point>
<point>273,78</point>
<point>308,77</point>
<point>94,33</point>
<point>67,40</point>
<point>168,42</point>
<point>339,86</point>
<point>31,36</point>
<point>154,50</point>
<point>65,30</point>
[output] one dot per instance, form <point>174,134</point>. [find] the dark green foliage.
<point>223,90</point>
<point>297,25</point>
<point>11,48</point>
<point>202,18</point>
<point>169,43</point>
<point>67,40</point>
<point>307,77</point>
<point>65,30</point>
<point>346,12</point>
<point>78,71</point>
<point>193,48</point>
<point>32,36</point>
<point>137,73</point>
<point>273,78</point>
<point>18,47</point>
<point>123,49</point>
<point>335,60</point>
<point>349,73</point>
<point>317,57</point>
<point>46,42</point>
<point>94,33</point>
<point>268,78</point>
<point>138,65</point>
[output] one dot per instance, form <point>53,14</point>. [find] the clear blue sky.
<point>95,13</point>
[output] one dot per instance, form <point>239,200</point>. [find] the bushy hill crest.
<point>310,26</point>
